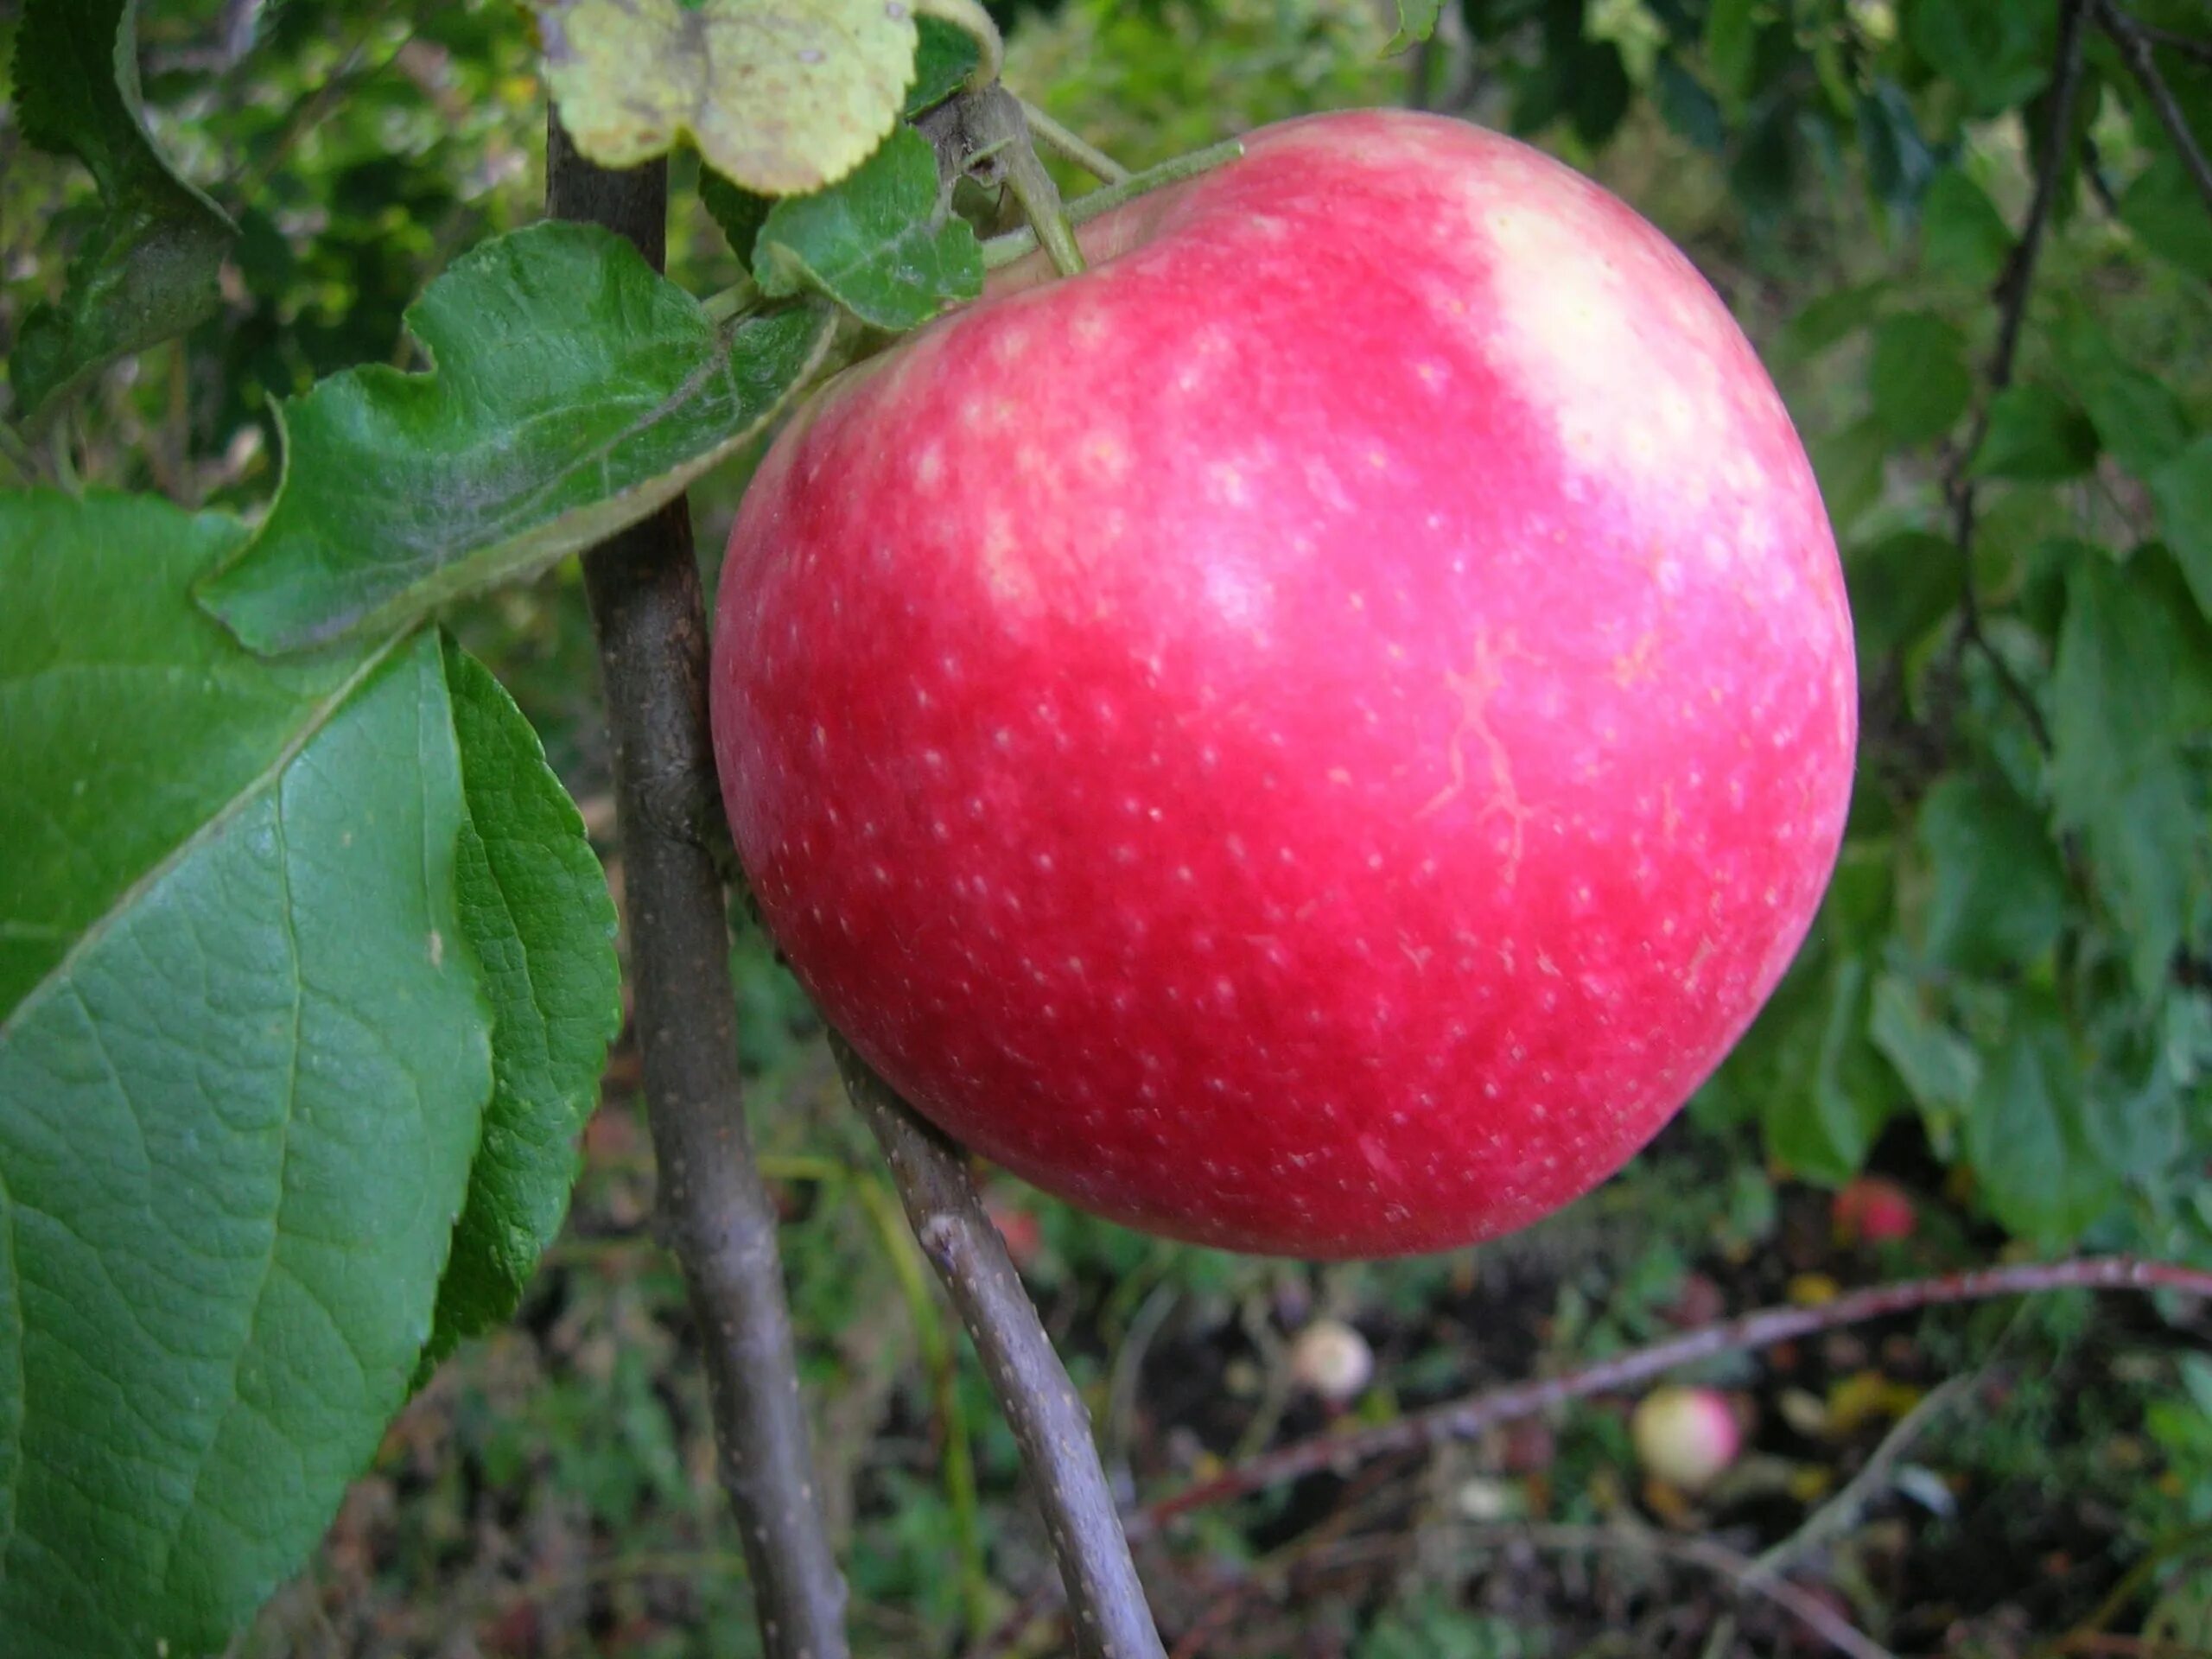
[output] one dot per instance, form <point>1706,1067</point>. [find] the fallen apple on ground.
<point>1685,1437</point>
<point>1316,736</point>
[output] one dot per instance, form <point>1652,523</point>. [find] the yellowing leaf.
<point>1864,1396</point>
<point>782,97</point>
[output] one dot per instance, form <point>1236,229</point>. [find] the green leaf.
<point>1917,376</point>
<point>236,1112</point>
<point>1824,1131</point>
<point>883,244</point>
<point>1999,53</point>
<point>1963,235</point>
<point>1416,23</point>
<point>943,58</point>
<point>1833,317</point>
<point>2000,896</point>
<point>2036,435</point>
<point>2027,1136</point>
<point>2183,488</point>
<point>1731,40</point>
<point>148,270</point>
<point>1939,1068</point>
<point>2131,688</point>
<point>535,904</point>
<point>1899,160</point>
<point>2139,419</point>
<point>1850,463</point>
<point>127,731</point>
<point>2161,207</point>
<point>779,95</point>
<point>1901,587</point>
<point>574,390</point>
<point>1685,105</point>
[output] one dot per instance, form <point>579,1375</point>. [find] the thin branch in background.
<point>2134,44</point>
<point>2013,286</point>
<point>715,1212</point>
<point>1464,1418</point>
<point>1112,1619</point>
<point>2188,45</point>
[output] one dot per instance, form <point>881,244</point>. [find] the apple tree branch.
<point>1111,1617</point>
<point>716,1215</point>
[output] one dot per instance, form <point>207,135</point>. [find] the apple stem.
<point>1016,244</point>
<point>741,297</point>
<point>1001,117</point>
<point>1072,146</point>
<point>971,19</point>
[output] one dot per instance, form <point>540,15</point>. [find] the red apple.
<point>1872,1209</point>
<point>1316,736</point>
<point>1685,1437</point>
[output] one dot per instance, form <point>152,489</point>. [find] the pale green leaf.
<point>781,97</point>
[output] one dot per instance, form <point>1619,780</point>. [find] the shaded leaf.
<point>882,243</point>
<point>2037,434</point>
<point>2136,416</point>
<point>943,58</point>
<point>2027,1137</point>
<point>2000,896</point>
<point>1962,235</point>
<point>1999,53</point>
<point>1731,39</point>
<point>1833,317</point>
<point>2163,207</point>
<point>1918,377</point>
<point>1850,464</point>
<point>149,269</point>
<point>237,1115</point>
<point>1901,587</point>
<point>1823,1127</point>
<point>1899,160</point>
<point>539,917</point>
<point>2131,685</point>
<point>1939,1068</point>
<point>780,98</point>
<point>2183,488</point>
<point>574,391</point>
<point>740,212</point>
<point>1685,105</point>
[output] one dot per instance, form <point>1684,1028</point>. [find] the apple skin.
<point>1315,736</point>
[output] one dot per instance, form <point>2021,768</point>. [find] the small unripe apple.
<point>1873,1211</point>
<point>1316,736</point>
<point>1685,1437</point>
